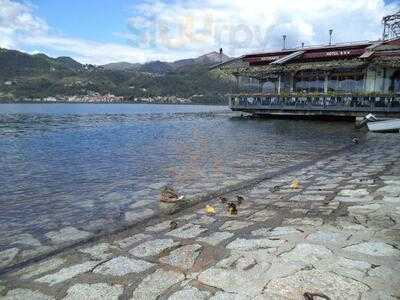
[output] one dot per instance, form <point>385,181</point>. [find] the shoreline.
<point>189,204</point>
<point>121,102</point>
<point>339,227</point>
<point>335,235</point>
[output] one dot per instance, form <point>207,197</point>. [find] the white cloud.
<point>243,26</point>
<point>21,29</point>
<point>165,31</point>
<point>16,21</point>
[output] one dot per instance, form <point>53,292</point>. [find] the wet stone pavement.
<point>337,235</point>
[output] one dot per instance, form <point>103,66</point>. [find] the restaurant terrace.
<point>349,80</point>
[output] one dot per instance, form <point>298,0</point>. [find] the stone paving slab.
<point>338,236</point>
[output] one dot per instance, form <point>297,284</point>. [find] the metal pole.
<point>326,80</point>
<point>279,84</point>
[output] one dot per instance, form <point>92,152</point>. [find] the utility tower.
<point>391,26</point>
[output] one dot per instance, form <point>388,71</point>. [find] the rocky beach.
<point>335,236</point>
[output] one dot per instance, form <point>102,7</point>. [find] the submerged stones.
<point>67,273</point>
<point>137,215</point>
<point>7,256</point>
<point>353,193</point>
<point>67,234</point>
<point>131,240</point>
<point>2,288</point>
<point>392,189</point>
<point>159,227</point>
<point>42,268</point>
<point>26,239</point>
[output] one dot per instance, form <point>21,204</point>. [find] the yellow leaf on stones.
<point>209,209</point>
<point>295,184</point>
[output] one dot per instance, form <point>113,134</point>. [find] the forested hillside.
<point>24,76</point>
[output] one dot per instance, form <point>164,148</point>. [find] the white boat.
<point>392,125</point>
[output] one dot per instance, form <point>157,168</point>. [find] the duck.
<point>276,188</point>
<point>232,208</point>
<point>168,194</point>
<point>173,225</point>
<point>209,209</point>
<point>295,184</point>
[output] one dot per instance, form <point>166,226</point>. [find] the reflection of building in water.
<point>345,79</point>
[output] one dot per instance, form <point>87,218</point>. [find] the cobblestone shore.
<point>337,236</point>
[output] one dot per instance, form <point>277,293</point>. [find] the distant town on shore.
<point>39,78</point>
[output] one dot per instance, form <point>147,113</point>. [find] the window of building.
<point>395,83</point>
<point>309,82</point>
<point>345,82</point>
<point>269,87</point>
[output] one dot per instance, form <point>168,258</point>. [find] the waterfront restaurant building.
<point>348,80</point>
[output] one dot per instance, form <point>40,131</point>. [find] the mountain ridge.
<point>158,66</point>
<point>29,76</point>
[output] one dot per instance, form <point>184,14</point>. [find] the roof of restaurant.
<point>355,50</point>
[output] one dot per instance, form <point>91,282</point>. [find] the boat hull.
<point>384,126</point>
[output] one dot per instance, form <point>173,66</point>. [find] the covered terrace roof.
<point>325,57</point>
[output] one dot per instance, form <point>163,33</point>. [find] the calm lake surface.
<point>83,164</point>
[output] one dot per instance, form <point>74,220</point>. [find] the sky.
<point>104,31</point>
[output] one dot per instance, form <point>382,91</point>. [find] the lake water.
<point>86,164</point>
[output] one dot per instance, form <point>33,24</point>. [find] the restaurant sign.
<point>338,53</point>
<point>335,53</point>
<point>265,59</point>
